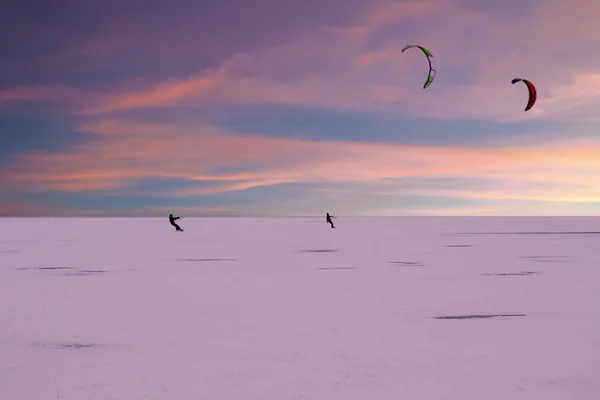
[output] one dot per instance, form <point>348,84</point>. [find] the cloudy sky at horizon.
<point>276,107</point>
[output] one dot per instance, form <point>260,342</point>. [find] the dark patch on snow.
<point>319,251</point>
<point>53,268</point>
<point>408,263</point>
<point>534,233</point>
<point>337,268</point>
<point>208,259</point>
<point>77,345</point>
<point>544,258</point>
<point>22,269</point>
<point>86,272</point>
<point>475,316</point>
<point>535,257</point>
<point>60,346</point>
<point>522,273</point>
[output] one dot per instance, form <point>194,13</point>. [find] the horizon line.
<point>300,216</point>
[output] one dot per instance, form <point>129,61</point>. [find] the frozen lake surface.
<point>287,309</point>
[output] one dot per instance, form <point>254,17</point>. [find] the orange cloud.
<point>115,161</point>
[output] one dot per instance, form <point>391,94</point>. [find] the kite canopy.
<point>532,92</point>
<point>430,60</point>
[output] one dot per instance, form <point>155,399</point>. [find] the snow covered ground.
<point>286,309</point>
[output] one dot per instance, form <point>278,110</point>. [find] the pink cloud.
<point>142,211</point>
<point>526,210</point>
<point>334,67</point>
<point>123,154</point>
<point>563,86</point>
<point>330,67</point>
<point>447,211</point>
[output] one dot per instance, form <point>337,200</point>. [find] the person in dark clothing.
<point>329,221</point>
<point>172,220</point>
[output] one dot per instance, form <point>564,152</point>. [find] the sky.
<point>292,108</point>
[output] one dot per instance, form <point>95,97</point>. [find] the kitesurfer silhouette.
<point>172,220</point>
<point>329,221</point>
